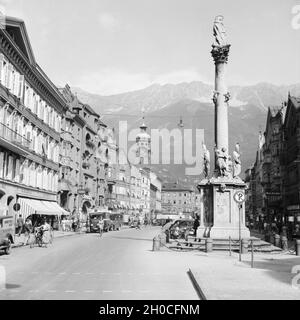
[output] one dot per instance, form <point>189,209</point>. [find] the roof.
<point>21,36</point>
<point>295,101</point>
<point>274,110</point>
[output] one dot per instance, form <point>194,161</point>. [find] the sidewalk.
<point>19,241</point>
<point>222,277</point>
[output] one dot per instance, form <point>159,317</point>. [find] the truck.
<point>7,232</point>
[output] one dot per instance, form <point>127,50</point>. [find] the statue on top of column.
<point>220,32</point>
<point>237,164</point>
<point>206,161</point>
<point>221,161</point>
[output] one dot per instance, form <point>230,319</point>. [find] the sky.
<point>114,46</point>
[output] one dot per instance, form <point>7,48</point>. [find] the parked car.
<point>179,229</point>
<point>6,233</point>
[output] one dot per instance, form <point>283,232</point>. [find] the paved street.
<point>121,265</point>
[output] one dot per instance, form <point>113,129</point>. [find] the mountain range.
<point>165,106</point>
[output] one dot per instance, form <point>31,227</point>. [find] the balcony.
<point>13,141</point>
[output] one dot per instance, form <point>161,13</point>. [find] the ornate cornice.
<point>33,76</point>
<point>220,54</point>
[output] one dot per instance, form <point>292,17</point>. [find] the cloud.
<point>111,81</point>
<point>108,21</point>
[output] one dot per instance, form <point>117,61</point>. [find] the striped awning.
<point>47,208</point>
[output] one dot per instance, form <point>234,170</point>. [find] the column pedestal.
<point>220,211</point>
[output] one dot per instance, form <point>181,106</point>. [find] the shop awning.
<point>47,208</point>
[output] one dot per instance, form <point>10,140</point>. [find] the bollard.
<point>245,245</point>
<point>252,254</point>
<point>209,245</point>
<point>297,247</point>
<point>2,278</point>
<point>277,240</point>
<point>156,243</point>
<point>284,243</point>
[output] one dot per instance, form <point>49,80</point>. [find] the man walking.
<point>196,225</point>
<point>20,225</point>
<point>101,227</point>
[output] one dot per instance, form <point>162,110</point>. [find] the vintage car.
<point>179,229</point>
<point>94,218</point>
<point>6,233</point>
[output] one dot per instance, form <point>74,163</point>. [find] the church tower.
<point>143,142</point>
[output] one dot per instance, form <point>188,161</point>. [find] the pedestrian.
<point>46,232</point>
<point>63,224</point>
<point>74,225</point>
<point>28,229</point>
<point>138,225</point>
<point>101,226</point>
<point>196,225</point>
<point>20,225</point>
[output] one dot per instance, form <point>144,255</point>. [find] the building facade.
<point>291,163</point>
<point>31,110</point>
<point>178,200</point>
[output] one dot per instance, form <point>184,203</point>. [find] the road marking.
<point>89,273</point>
<point>105,291</point>
<point>70,291</point>
<point>51,291</point>
<point>89,291</point>
<point>102,274</point>
<point>126,291</point>
<point>33,291</point>
<point>34,272</point>
<point>62,273</point>
<point>76,273</point>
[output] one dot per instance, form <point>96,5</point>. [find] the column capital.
<point>220,53</point>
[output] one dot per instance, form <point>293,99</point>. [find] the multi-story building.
<point>291,163</point>
<point>272,170</point>
<point>155,195</point>
<point>135,189</point>
<point>178,200</point>
<point>31,110</point>
<point>145,194</point>
<point>85,156</point>
<point>265,178</point>
<point>122,187</point>
<point>70,154</point>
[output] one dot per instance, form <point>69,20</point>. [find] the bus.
<point>95,217</point>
